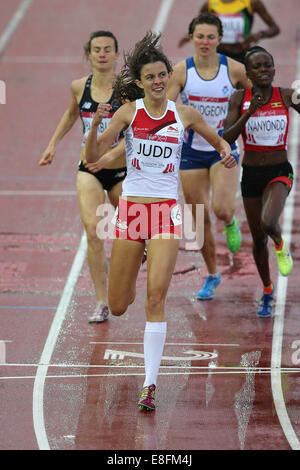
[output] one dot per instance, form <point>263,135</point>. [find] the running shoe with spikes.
<point>266,305</point>
<point>101,313</point>
<point>233,236</point>
<point>209,286</point>
<point>147,398</point>
<point>284,260</point>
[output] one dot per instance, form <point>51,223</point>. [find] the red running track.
<point>66,384</point>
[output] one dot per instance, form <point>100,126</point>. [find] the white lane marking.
<point>244,398</point>
<point>257,370</point>
<point>162,16</point>
<point>282,283</point>
<point>3,351</point>
<point>38,391</point>
<point>195,355</point>
<point>68,59</point>
<point>39,383</point>
<point>166,344</point>
<point>13,24</point>
<point>37,193</point>
<point>187,371</point>
<point>42,59</point>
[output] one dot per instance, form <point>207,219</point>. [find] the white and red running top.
<point>267,129</point>
<point>153,152</point>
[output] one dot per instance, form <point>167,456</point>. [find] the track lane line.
<point>13,24</point>
<point>282,284</point>
<point>40,377</point>
<point>38,391</point>
<point>162,16</point>
<point>37,193</point>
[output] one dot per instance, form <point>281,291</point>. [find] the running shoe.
<point>147,398</point>
<point>284,260</point>
<point>266,305</point>
<point>233,236</point>
<point>208,289</point>
<point>101,313</point>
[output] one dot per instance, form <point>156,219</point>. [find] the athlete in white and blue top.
<point>210,98</point>
<point>206,82</point>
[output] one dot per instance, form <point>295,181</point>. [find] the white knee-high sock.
<point>154,341</point>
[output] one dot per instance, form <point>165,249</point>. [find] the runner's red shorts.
<point>139,221</point>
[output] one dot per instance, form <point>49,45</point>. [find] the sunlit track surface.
<point>228,380</point>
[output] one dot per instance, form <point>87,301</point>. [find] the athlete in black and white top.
<point>87,92</point>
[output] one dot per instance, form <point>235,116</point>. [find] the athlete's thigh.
<point>195,185</point>
<point>161,260</point>
<point>90,196</point>
<point>114,193</point>
<point>224,183</point>
<point>125,263</point>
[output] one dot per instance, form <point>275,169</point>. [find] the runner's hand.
<point>256,103</point>
<point>47,156</point>
<point>95,166</point>
<point>228,159</point>
<point>102,112</point>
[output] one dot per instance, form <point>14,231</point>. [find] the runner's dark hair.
<point>99,34</point>
<point>206,18</point>
<point>254,50</point>
<point>146,51</point>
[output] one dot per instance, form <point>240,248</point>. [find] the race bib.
<point>176,215</point>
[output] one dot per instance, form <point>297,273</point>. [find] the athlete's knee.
<point>260,241</point>
<point>117,307</point>
<point>223,211</point>
<point>117,304</point>
<point>155,298</point>
<point>92,235</point>
<point>268,224</point>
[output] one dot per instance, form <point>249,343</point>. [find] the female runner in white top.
<point>148,122</point>
<point>206,82</point>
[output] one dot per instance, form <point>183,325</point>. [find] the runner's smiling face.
<point>154,80</point>
<point>261,69</point>
<point>103,55</point>
<point>206,39</point>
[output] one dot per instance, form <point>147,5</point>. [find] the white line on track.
<point>13,24</point>
<point>282,284</point>
<point>132,366</point>
<point>42,60</point>
<point>167,344</point>
<point>131,374</point>
<point>39,383</point>
<point>37,193</point>
<point>66,60</point>
<point>162,16</point>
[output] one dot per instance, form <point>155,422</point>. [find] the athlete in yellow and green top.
<point>237,20</point>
